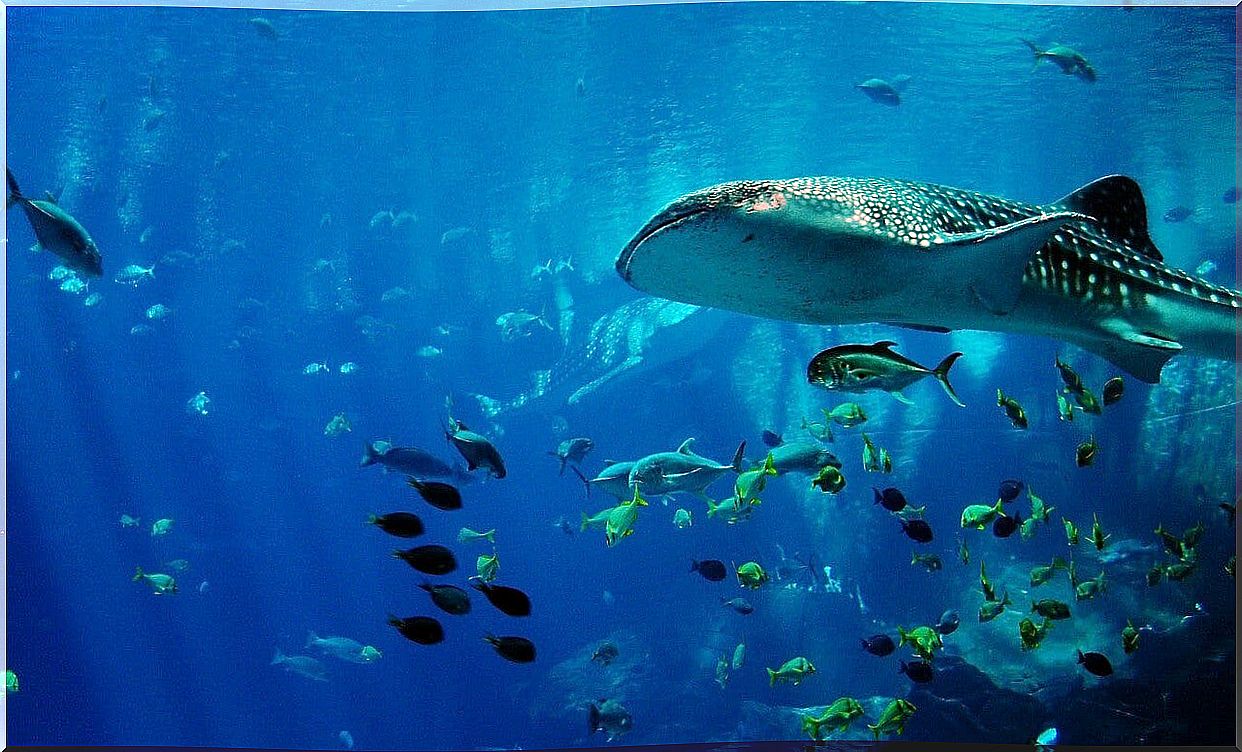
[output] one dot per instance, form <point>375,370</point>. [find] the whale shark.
<point>637,337</point>
<point>840,250</point>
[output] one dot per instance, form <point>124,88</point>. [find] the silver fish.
<point>682,470</point>
<point>58,232</point>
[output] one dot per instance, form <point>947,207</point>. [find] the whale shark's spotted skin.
<point>855,250</point>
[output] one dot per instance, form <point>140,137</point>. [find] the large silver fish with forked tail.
<point>866,250</point>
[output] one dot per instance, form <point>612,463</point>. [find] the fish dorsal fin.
<point>1116,203</point>
<point>886,344</point>
<point>687,447</point>
<point>993,261</point>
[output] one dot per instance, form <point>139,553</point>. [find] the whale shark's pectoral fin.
<point>994,260</point>
<point>590,386</point>
<point>1141,354</point>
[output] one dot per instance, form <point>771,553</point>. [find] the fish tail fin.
<point>138,573</point>
<point>311,638</point>
<point>586,522</point>
<point>737,457</point>
<point>941,372</point>
<point>279,657</point>
<point>1035,50</point>
<point>875,729</point>
<point>15,193</point>
<point>584,480</point>
<point>490,536</point>
<point>769,465</point>
<point>369,457</point>
<point>771,678</point>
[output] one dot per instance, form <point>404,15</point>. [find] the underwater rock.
<point>963,704</point>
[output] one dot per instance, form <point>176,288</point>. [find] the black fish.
<point>879,645</point>
<point>772,439</point>
<point>1096,663</point>
<point>409,460</point>
<point>421,629</point>
<point>450,598</point>
<point>400,524</point>
<point>439,495</point>
<point>740,605</point>
<point>948,623</point>
<point>917,530</point>
<point>1231,195</point>
<point>429,559</point>
<point>1178,214</point>
<point>1009,490</point>
<point>919,671</point>
<point>711,569</point>
<point>516,649</point>
<point>1113,389</point>
<point>510,601</point>
<point>890,498</point>
<point>1004,525</point>
<point>1230,509</point>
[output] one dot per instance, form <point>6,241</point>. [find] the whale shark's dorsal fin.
<point>997,257</point>
<point>1116,203</point>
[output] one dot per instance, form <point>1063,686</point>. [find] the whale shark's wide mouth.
<point>663,221</point>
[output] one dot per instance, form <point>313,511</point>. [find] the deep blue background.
<point>272,155</point>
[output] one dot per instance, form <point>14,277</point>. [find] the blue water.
<point>555,135</point>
